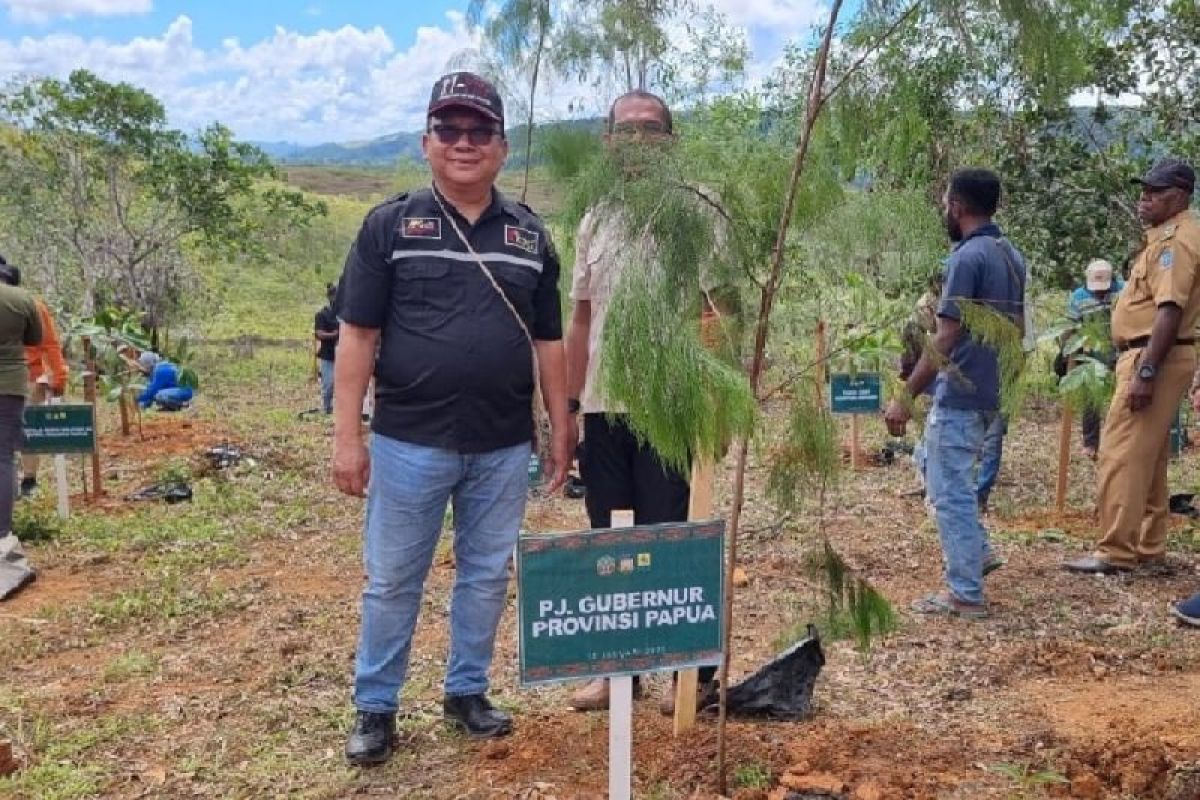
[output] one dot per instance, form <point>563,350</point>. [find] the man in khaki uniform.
<point>1153,328</point>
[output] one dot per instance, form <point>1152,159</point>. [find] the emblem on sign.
<point>421,228</point>
<point>521,239</point>
<point>606,565</point>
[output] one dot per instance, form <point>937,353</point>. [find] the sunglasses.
<point>451,134</point>
<point>651,126</point>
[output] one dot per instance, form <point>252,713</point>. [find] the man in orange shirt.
<point>47,373</point>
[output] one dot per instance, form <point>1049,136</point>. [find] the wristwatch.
<point>573,405</point>
<point>1147,372</point>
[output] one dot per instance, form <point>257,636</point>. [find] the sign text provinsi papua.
<point>620,601</point>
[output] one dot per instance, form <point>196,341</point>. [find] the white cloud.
<point>45,10</point>
<point>787,17</point>
<point>338,84</point>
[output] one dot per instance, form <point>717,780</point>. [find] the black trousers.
<point>621,474</point>
<point>1091,421</point>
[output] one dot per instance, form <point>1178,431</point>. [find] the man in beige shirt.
<point>618,471</point>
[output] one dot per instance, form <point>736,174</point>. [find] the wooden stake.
<point>1064,461</point>
<point>687,681</point>
<point>89,394</point>
<point>123,404</point>
<point>822,371</point>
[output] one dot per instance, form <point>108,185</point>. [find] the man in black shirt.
<point>325,331</point>
<point>458,287</point>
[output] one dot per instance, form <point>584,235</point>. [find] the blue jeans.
<point>989,461</point>
<point>406,504</point>
<point>326,368</point>
<point>954,440</point>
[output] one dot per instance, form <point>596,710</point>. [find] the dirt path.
<point>207,651</point>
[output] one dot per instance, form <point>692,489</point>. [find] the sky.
<point>307,71</point>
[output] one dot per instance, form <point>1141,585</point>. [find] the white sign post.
<point>60,477</point>
<point>620,714</point>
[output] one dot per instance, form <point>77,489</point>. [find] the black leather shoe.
<point>370,740</point>
<point>475,715</point>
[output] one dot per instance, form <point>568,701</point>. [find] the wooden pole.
<point>124,407</point>
<point>700,507</point>
<point>1064,461</point>
<point>822,372</point>
<point>89,394</point>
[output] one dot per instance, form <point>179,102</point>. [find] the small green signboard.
<point>60,429</point>
<point>620,601</point>
<point>855,394</point>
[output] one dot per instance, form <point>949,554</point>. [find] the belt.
<point>1141,341</point>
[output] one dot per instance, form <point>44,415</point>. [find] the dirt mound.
<point>1130,763</point>
<point>895,761</point>
<point>161,436</point>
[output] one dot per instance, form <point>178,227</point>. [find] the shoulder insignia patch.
<point>521,238</point>
<point>1166,260</point>
<point>421,228</point>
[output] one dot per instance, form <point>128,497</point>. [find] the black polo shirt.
<point>454,369</point>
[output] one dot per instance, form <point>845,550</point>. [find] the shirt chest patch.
<point>421,228</point>
<point>523,239</point>
<point>1166,260</point>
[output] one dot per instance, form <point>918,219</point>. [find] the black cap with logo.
<point>466,90</point>
<point>1170,173</point>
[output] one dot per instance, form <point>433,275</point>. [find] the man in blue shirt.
<point>984,269</point>
<point>1092,304</point>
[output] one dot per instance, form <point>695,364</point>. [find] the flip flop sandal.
<point>941,603</point>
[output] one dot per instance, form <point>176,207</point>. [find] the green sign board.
<point>855,394</point>
<point>620,601</point>
<point>60,429</point>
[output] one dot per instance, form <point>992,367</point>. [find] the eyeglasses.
<point>643,126</point>
<point>452,134</point>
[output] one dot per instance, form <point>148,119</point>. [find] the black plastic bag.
<point>1182,504</point>
<point>781,689</point>
<point>169,492</point>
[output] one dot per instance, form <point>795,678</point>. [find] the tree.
<point>518,35</point>
<point>106,199</point>
<point>626,39</point>
<point>777,197</point>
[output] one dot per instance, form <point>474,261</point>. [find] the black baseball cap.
<point>466,90</point>
<point>1170,173</point>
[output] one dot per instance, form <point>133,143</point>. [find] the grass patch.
<point>169,599</point>
<point>36,522</point>
<point>60,767</point>
<point>751,776</point>
<point>134,664</point>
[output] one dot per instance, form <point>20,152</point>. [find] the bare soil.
<point>230,677</point>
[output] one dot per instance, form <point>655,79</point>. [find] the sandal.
<point>945,604</point>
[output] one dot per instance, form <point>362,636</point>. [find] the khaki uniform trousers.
<point>1132,469</point>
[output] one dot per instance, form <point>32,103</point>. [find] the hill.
<point>393,147</point>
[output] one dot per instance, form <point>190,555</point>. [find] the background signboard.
<point>855,394</point>
<point>620,601</point>
<point>60,429</point>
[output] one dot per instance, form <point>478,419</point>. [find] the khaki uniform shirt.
<point>1165,272</point>
<point>604,244</point>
